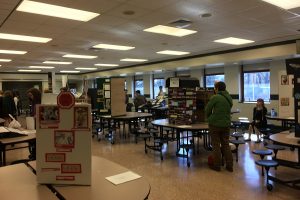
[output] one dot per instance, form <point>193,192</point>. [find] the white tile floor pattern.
<point>171,179</point>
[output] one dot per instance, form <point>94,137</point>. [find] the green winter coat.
<point>218,110</point>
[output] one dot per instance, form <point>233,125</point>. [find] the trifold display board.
<point>64,142</point>
<point>111,96</point>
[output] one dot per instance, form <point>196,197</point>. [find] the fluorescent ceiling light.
<point>170,52</point>
<point>25,38</point>
<point>79,56</point>
<point>114,47</point>
<point>139,73</point>
<point>158,70</point>
<point>41,67</point>
<point>106,65</point>
<point>285,4</point>
<point>133,60</point>
<point>57,62</point>
<point>29,70</point>
<point>167,30</point>
<point>123,74</point>
<point>56,11</point>
<point>86,68</point>
<point>67,71</point>
<point>5,60</point>
<point>12,52</point>
<point>234,41</point>
<point>215,64</point>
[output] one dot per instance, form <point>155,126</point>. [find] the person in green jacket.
<point>219,119</point>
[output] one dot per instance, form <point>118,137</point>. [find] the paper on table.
<point>123,177</point>
<point>3,130</point>
<point>184,126</point>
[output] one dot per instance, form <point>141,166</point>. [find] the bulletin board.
<point>285,91</point>
<point>64,144</point>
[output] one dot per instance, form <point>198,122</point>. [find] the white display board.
<point>63,138</point>
<point>285,91</point>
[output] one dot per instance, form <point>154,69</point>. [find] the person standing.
<point>218,114</point>
<point>139,100</point>
<point>8,105</point>
<point>259,119</point>
<point>34,96</point>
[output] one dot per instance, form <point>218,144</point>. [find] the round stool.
<point>267,164</point>
<point>237,135</point>
<point>275,148</point>
<point>237,143</point>
<point>262,153</point>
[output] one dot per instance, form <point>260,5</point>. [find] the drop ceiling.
<point>253,20</point>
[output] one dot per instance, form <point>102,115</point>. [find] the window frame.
<point>140,79</point>
<point>242,99</point>
<point>205,77</point>
<point>153,94</point>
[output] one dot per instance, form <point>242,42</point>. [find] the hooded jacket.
<point>218,109</point>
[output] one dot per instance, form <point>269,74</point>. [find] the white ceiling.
<point>253,20</point>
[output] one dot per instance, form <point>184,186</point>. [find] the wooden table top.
<point>286,138</point>
<point>280,118</point>
<point>165,123</point>
<point>129,115</point>
<point>101,188</point>
<point>16,140</point>
<point>19,182</point>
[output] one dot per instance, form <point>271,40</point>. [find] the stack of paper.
<point>123,177</point>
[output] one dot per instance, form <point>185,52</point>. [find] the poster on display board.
<point>64,153</point>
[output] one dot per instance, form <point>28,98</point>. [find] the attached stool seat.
<point>262,153</point>
<point>237,135</point>
<point>275,148</point>
<point>267,164</point>
<point>237,143</point>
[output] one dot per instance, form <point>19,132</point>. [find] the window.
<point>139,85</point>
<point>256,85</point>
<point>211,79</point>
<point>156,83</point>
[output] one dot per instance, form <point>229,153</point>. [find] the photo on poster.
<point>284,79</point>
<point>107,103</point>
<point>285,101</point>
<point>49,116</point>
<point>106,86</point>
<point>81,119</point>
<point>64,139</point>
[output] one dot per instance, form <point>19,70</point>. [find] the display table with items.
<point>19,182</point>
<point>10,139</point>
<point>110,181</point>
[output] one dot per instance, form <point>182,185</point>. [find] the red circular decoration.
<point>65,100</point>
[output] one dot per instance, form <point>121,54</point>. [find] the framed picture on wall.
<point>285,101</point>
<point>284,80</point>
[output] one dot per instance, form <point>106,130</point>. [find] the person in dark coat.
<point>259,119</point>
<point>8,105</point>
<point>35,98</point>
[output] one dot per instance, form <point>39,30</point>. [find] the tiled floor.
<point>171,179</point>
